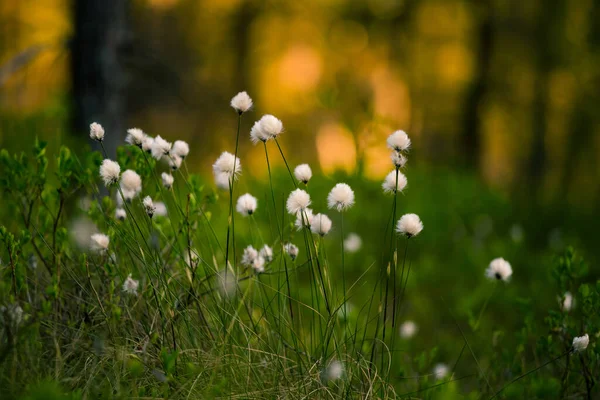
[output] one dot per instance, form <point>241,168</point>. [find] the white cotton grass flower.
<point>147,143</point>
<point>335,370</point>
<point>251,258</point>
<point>341,197</point>
<point>109,171</point>
<point>96,132</point>
<point>440,371</point>
<point>135,137</point>
<point>257,134</point>
<point>222,181</point>
<point>303,218</point>
<point>398,159</point>
<point>167,180</point>
<point>321,224</point>
<point>259,265</point>
<point>391,184</point>
<point>267,253</point>
<point>241,102</point>
<point>303,173</point>
<point>398,141</point>
<point>180,149</point>
<point>408,329</point>
<point>291,250</point>
<point>271,126</point>
<point>297,201</point>
<point>566,302</point>
<point>130,285</point>
<point>499,269</point>
<point>352,243</point>
<point>99,242</point>
<point>149,206</point>
<point>160,209</point>
<point>131,184</point>
<point>581,343</point>
<point>174,162</point>
<point>409,225</point>
<point>246,204</point>
<point>120,214</point>
<point>227,164</point>
<point>160,147</point>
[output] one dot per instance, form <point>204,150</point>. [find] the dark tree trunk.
<point>98,76</point>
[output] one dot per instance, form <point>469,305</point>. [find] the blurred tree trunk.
<point>471,139</point>
<point>98,76</point>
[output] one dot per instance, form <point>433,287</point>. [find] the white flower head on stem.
<point>120,214</point>
<point>149,206</point>
<point>131,184</point>
<point>398,141</point>
<point>147,144</point>
<point>174,162</point>
<point>246,204</point>
<point>291,250</point>
<point>96,132</point>
<point>499,269</point>
<point>180,149</point>
<point>257,134</point>
<point>393,185</point>
<point>409,225</point>
<point>109,171</point>
<point>440,371</point>
<point>321,224</point>
<point>267,253</point>
<point>566,302</point>
<point>259,265</point>
<point>335,370</point>
<point>252,259</point>
<point>271,126</point>
<point>398,159</point>
<point>160,209</point>
<point>99,242</point>
<point>581,343</point>
<point>241,102</point>
<point>227,164</point>
<point>160,148</point>
<point>298,200</point>
<point>341,197</point>
<point>130,285</point>
<point>303,218</point>
<point>167,180</point>
<point>303,173</point>
<point>352,243</point>
<point>135,137</point>
<point>408,329</point>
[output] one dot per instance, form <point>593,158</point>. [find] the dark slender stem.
<point>286,164</point>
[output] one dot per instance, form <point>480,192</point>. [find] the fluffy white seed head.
<point>135,137</point>
<point>120,214</point>
<point>147,144</point>
<point>174,162</point>
<point>109,171</point>
<point>291,250</point>
<point>96,132</point>
<point>398,159</point>
<point>149,206</point>
<point>131,184</point>
<point>271,126</point>
<point>335,370</point>
<point>160,147</point>
<point>130,285</point>
<point>341,197</point>
<point>391,185</point>
<point>160,209</point>
<point>227,164</point>
<point>180,149</point>
<point>257,134</point>
<point>408,329</point>
<point>99,242</point>
<point>252,259</point>
<point>298,200</point>
<point>499,269</point>
<point>304,218</point>
<point>222,181</point>
<point>440,371</point>
<point>352,243</point>
<point>303,173</point>
<point>567,301</point>
<point>398,141</point>
<point>321,224</point>
<point>167,180</point>
<point>241,102</point>
<point>246,204</point>
<point>409,225</point>
<point>581,343</point>
<point>259,265</point>
<point>267,253</point>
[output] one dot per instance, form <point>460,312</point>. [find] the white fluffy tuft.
<point>160,148</point>
<point>241,102</point>
<point>298,200</point>
<point>96,132</point>
<point>109,171</point>
<point>390,185</point>
<point>341,197</point>
<point>246,204</point>
<point>320,224</point>
<point>409,225</point>
<point>499,269</point>
<point>398,141</point>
